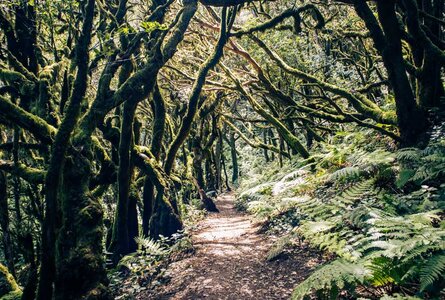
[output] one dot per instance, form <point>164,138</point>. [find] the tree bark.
<point>156,146</point>
<point>234,155</point>
<point>79,259</point>
<point>120,239</point>
<point>411,119</point>
<point>57,168</point>
<point>4,223</point>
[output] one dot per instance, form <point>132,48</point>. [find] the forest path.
<point>230,262</point>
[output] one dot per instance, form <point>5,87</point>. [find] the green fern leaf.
<point>346,174</point>
<point>329,279</point>
<point>432,271</point>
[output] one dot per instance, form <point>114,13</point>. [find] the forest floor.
<point>229,262</point>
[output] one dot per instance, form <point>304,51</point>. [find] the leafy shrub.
<point>376,241</point>
<point>379,212</point>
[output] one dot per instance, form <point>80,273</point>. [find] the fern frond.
<point>330,279</point>
<point>408,154</point>
<point>279,246</point>
<point>346,174</point>
<point>149,246</point>
<point>260,208</point>
<point>355,193</point>
<point>432,271</point>
<point>385,271</point>
<point>374,159</point>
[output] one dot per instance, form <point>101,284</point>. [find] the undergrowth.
<point>138,270</point>
<point>145,267</point>
<point>378,211</point>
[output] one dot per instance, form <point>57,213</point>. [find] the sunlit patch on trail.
<point>230,262</point>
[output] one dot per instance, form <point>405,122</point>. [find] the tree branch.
<point>17,115</point>
<point>32,175</point>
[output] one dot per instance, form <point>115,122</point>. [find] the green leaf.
<point>152,26</point>
<point>404,177</point>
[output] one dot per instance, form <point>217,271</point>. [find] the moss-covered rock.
<point>9,289</point>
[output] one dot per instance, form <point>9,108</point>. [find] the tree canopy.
<point>115,114</point>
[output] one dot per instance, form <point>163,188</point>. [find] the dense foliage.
<point>119,118</point>
<point>380,214</point>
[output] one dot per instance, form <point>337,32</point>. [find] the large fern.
<point>385,225</point>
<point>362,164</point>
<point>335,224</point>
<point>388,246</point>
<point>422,166</point>
<point>330,279</point>
<point>432,271</point>
<point>346,174</point>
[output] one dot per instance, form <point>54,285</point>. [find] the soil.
<point>229,262</point>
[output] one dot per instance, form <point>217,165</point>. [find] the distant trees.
<point>123,109</point>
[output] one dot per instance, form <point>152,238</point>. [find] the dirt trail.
<point>229,262</point>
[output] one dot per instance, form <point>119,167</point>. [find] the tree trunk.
<point>73,255</point>
<point>29,291</point>
<point>133,224</point>
<point>266,153</point>
<point>280,156</point>
<point>429,82</point>
<point>210,182</point>
<point>148,202</point>
<point>79,258</point>
<point>218,154</point>
<point>207,203</point>
<point>4,223</point>
<point>226,176</point>
<point>164,221</point>
<point>235,168</point>
<point>387,40</point>
<point>273,142</point>
<point>120,239</point>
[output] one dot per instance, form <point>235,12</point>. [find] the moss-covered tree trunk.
<point>133,222</point>
<point>226,176</point>
<point>79,257</point>
<point>164,214</point>
<point>429,78</point>
<point>218,157</point>
<point>198,157</point>
<point>120,241</point>
<point>387,39</point>
<point>265,151</point>
<point>9,289</point>
<point>156,146</point>
<point>273,142</point>
<point>8,249</point>
<point>211,183</point>
<point>70,199</point>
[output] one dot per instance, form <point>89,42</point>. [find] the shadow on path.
<point>229,263</point>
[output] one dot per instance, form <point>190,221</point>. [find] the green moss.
<point>9,288</point>
<point>9,76</point>
<point>14,295</point>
